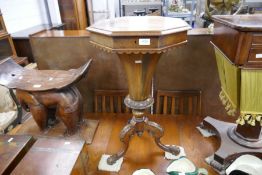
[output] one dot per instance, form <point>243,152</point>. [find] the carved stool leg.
<point>69,109</point>
<point>80,104</point>
<point>67,102</point>
<point>39,113</point>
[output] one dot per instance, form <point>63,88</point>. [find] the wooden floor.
<point>142,152</point>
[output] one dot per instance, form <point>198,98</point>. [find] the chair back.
<point>110,101</point>
<point>184,102</point>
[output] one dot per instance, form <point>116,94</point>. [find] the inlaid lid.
<point>241,22</point>
<point>139,34</point>
<point>139,26</point>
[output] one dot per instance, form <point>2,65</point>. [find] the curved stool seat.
<point>47,93</point>
<point>15,76</point>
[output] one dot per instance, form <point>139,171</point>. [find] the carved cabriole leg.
<point>138,125</point>
<point>127,132</point>
<point>156,131</point>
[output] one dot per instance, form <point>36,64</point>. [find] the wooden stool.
<point>47,93</point>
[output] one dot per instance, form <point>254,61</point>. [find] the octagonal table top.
<point>138,34</point>
<point>139,26</point>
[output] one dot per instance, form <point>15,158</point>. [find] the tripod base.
<point>137,126</point>
<point>229,149</point>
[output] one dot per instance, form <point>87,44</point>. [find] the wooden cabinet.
<point>73,14</point>
<point>21,39</point>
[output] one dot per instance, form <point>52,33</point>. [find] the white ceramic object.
<point>143,172</point>
<point>246,163</point>
<point>182,165</point>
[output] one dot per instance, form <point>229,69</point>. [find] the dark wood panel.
<point>23,49</point>
<point>225,36</point>
<point>54,156</point>
<point>12,150</point>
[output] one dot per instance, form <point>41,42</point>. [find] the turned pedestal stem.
<point>139,69</point>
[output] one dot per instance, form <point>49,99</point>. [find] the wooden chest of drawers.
<point>242,46</point>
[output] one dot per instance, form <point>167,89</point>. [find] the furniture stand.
<point>139,43</point>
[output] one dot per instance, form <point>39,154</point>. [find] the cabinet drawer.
<point>255,55</point>
<point>257,39</point>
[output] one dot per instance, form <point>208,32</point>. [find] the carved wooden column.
<point>139,43</point>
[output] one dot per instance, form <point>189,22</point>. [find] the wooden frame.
<point>7,36</point>
<point>2,25</point>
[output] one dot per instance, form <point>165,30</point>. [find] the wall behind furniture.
<point>191,66</point>
<point>19,15</point>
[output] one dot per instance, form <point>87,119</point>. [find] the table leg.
<point>156,131</point>
<point>137,125</point>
